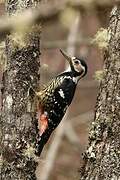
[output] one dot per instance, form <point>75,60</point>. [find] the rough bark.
<point>18,127</point>
<point>102,157</point>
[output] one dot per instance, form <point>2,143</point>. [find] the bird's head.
<point>77,66</point>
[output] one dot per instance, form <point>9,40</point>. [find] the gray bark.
<point>102,157</point>
<point>18,126</point>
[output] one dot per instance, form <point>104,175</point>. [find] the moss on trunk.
<point>18,123</point>
<point>102,158</point>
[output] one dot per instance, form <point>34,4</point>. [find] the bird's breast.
<point>59,101</point>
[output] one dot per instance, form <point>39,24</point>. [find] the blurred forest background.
<point>71,26</point>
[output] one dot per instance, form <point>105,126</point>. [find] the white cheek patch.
<point>73,58</point>
<point>61,93</point>
<point>82,68</point>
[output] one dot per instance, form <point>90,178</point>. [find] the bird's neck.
<point>68,69</point>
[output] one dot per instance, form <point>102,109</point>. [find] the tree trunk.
<point>18,128</point>
<point>102,157</point>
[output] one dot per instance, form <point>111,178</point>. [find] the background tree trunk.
<point>18,125</point>
<point>102,158</point>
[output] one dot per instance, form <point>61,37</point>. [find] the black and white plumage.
<point>55,98</point>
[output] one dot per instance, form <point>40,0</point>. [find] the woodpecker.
<point>55,98</point>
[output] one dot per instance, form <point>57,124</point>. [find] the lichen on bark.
<point>102,157</point>
<point>18,126</point>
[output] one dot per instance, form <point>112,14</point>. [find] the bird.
<point>54,99</point>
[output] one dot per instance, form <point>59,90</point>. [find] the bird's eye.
<point>76,62</point>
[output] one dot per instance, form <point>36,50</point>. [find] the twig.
<point>41,14</point>
<point>63,43</point>
<point>28,18</point>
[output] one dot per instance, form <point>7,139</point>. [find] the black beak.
<point>68,58</point>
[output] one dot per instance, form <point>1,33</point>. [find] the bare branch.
<point>28,18</point>
<point>63,43</point>
<point>43,13</point>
